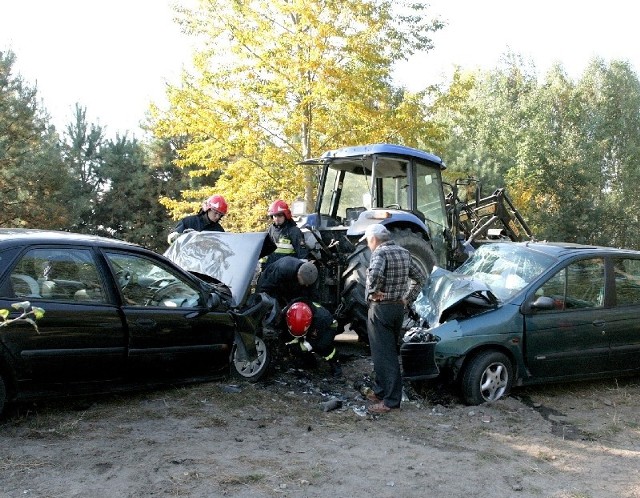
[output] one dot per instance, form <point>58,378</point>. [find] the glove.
<point>172,237</point>
<point>303,344</point>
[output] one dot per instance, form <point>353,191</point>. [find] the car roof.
<point>11,236</point>
<point>569,249</point>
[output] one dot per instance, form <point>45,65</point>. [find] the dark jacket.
<point>280,280</point>
<point>199,222</point>
<point>286,240</point>
<point>323,329</point>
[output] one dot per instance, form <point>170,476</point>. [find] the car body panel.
<point>163,340</point>
<point>566,343</point>
<point>95,345</point>
<point>231,258</point>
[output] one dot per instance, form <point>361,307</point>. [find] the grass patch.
<point>241,480</point>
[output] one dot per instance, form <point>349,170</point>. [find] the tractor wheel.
<point>355,276</point>
<point>420,249</point>
<point>354,279</point>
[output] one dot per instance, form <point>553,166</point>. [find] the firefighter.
<point>285,237</point>
<point>207,219</point>
<point>309,320</point>
<point>287,279</point>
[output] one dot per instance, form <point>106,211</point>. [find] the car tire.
<point>487,377</point>
<point>255,370</point>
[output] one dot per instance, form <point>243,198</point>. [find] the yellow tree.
<point>278,81</point>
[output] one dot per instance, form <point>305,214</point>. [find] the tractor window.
<point>429,198</point>
<point>351,192</point>
<point>395,192</point>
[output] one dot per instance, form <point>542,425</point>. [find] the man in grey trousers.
<point>394,280</point>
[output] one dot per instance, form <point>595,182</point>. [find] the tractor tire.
<point>355,276</point>
<point>420,249</point>
<point>354,280</point>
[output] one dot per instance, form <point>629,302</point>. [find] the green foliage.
<point>567,151</point>
<point>32,176</point>
<point>129,207</point>
<point>81,151</point>
<point>279,81</point>
<point>28,312</point>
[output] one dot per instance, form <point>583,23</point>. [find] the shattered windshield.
<point>505,268</point>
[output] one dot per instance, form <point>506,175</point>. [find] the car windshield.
<point>505,268</point>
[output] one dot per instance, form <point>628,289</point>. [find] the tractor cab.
<point>397,186</point>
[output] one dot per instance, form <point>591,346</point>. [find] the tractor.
<point>402,188</point>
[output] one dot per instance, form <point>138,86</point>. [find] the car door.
<point>170,331</point>
<point>571,339</point>
<point>623,323</point>
<point>81,336</point>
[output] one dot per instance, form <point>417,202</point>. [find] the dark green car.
<point>525,313</point>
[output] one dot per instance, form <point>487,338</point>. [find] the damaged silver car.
<point>523,313</point>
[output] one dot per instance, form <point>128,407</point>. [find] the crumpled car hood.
<point>448,295</point>
<point>232,258</point>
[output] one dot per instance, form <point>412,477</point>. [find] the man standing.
<point>394,281</point>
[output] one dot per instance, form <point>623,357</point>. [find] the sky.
<point>115,57</point>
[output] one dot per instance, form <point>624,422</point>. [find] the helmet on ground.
<point>299,317</point>
<point>280,207</point>
<point>307,274</point>
<point>216,202</point>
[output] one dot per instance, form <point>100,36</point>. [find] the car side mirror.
<point>543,303</point>
<point>213,301</point>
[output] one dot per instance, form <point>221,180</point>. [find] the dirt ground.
<point>278,438</point>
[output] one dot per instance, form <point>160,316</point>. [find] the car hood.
<point>232,258</point>
<point>448,295</point>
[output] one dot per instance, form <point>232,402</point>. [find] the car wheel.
<point>488,377</point>
<point>253,370</point>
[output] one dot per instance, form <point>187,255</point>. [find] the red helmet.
<point>299,317</point>
<point>280,207</point>
<point>216,202</point>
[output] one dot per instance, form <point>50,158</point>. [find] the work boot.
<point>336,368</point>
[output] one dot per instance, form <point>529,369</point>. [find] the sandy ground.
<point>276,439</point>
